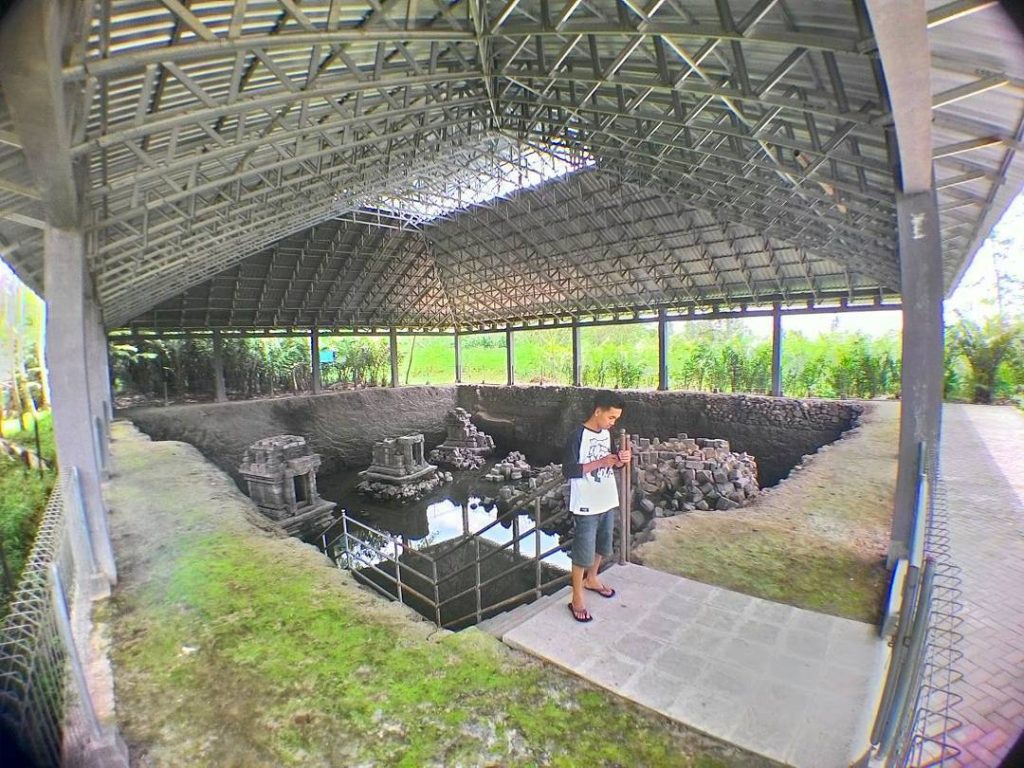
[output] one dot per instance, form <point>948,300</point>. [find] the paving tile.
<point>745,654</point>
<point>733,602</point>
<point>661,625</point>
<point>655,689</point>
<point>716,618</point>
<point>775,613</point>
<point>679,663</point>
<point>760,632</point>
<point>800,642</point>
<point>609,671</point>
<point>639,647</point>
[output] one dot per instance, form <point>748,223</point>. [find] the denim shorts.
<point>593,537</point>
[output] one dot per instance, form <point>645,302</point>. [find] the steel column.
<point>777,350</point>
<point>510,357</point>
<point>393,347</point>
<point>662,351</point>
<point>458,357</point>
<point>314,359</point>
<point>220,394</point>
<point>922,370</point>
<point>577,368</point>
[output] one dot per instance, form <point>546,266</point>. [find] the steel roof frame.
<point>725,150</point>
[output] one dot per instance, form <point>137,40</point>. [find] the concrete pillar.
<point>98,370</point>
<point>577,367</point>
<point>220,392</point>
<point>922,372</point>
<point>662,351</point>
<point>777,349</point>
<point>314,359</point>
<point>510,357</point>
<point>64,285</point>
<point>393,338</point>
<point>458,357</point>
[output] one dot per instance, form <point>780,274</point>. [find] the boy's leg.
<point>603,541</point>
<point>583,547</point>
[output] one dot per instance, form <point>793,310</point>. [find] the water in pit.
<point>437,517</point>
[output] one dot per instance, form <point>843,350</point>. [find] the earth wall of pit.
<point>777,431</point>
<point>340,426</point>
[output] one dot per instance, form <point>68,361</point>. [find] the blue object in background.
<point>327,355</point>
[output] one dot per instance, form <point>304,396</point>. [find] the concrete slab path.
<point>982,448</point>
<point>793,685</point>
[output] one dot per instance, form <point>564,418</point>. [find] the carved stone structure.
<point>281,474</point>
<point>399,471</point>
<point>465,446</point>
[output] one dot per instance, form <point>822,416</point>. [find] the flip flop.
<point>606,592</point>
<point>586,615</point>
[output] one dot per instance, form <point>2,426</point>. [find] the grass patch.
<point>239,658</point>
<point>773,562</point>
<point>23,496</point>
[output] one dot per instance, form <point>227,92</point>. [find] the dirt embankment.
<point>817,540</point>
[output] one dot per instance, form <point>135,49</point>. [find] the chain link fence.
<point>917,710</point>
<point>45,702</point>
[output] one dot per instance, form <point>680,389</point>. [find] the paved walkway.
<point>793,685</point>
<point>982,452</point>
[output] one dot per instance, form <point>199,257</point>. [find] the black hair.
<point>605,400</point>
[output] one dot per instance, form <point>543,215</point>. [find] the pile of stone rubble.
<point>683,474</point>
<point>409,491</point>
<point>512,468</point>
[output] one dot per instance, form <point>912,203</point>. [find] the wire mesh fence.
<point>45,704</point>
<point>917,710</point>
<point>934,715</point>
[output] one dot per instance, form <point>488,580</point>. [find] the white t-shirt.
<point>594,492</point>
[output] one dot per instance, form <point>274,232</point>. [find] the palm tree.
<point>985,347</point>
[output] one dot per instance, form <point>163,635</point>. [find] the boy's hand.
<point>624,456</point>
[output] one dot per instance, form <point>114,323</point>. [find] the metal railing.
<point>922,617</point>
<point>361,549</point>
<point>45,702</point>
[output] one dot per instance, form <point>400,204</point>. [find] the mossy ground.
<point>816,541</point>
<point>232,647</point>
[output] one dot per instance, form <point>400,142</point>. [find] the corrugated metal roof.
<point>734,151</point>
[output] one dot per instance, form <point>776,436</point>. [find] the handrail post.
<point>478,598</point>
<point>515,535</point>
<point>398,569</point>
<point>536,547</point>
<point>437,593</point>
<point>465,520</point>
<point>344,529</point>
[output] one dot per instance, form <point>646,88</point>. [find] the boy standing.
<point>588,462</point>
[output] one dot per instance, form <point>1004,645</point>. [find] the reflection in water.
<point>445,521</point>
<point>437,517</point>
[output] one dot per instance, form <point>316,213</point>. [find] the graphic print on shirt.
<point>597,450</point>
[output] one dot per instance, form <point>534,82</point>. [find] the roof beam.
<point>32,42</point>
<point>901,32</point>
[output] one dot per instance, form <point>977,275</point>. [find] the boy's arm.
<point>571,466</point>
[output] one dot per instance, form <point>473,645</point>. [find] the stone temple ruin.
<point>399,472</point>
<point>281,475</point>
<point>465,447</point>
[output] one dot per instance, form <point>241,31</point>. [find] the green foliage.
<point>26,436</point>
<point>985,361</point>
<point>23,496</point>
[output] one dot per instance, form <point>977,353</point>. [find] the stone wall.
<point>340,426</point>
<point>776,431</point>
<point>343,426</point>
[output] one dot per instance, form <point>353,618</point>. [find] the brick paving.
<point>982,447</point>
